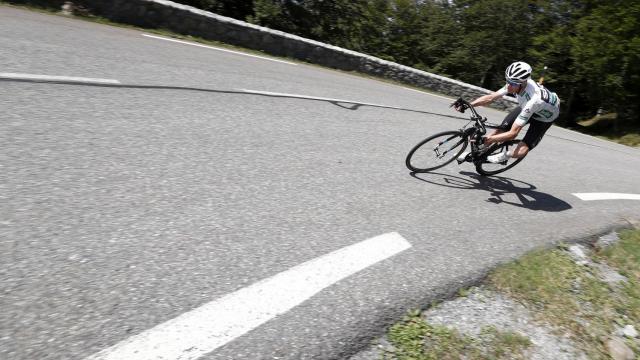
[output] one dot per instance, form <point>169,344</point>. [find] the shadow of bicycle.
<point>499,189</point>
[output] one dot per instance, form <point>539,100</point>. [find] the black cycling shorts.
<point>536,128</point>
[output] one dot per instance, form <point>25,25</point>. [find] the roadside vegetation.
<point>575,299</point>
<point>416,339</point>
<point>608,127</point>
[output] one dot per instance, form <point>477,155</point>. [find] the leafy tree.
<point>606,54</point>
<point>357,24</point>
<point>338,22</point>
<point>551,48</point>
<point>238,9</point>
<point>439,37</point>
<point>279,15</point>
<point>403,34</point>
<point>496,33</point>
<point>375,29</point>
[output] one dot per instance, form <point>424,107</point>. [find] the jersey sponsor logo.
<point>544,95</point>
<point>546,113</point>
<point>548,96</point>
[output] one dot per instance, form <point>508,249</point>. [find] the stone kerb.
<point>188,20</point>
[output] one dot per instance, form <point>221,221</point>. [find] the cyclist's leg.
<point>536,131</point>
<point>508,121</point>
<point>520,151</point>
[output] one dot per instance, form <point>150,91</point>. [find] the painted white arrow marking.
<point>204,329</point>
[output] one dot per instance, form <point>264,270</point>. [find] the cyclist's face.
<point>513,88</point>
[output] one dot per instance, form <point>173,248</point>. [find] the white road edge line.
<point>216,48</point>
<point>258,92</point>
<point>204,329</point>
<point>36,77</point>
<point>606,196</point>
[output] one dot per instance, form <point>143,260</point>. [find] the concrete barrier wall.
<point>188,20</point>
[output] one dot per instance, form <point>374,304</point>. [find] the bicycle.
<point>436,151</point>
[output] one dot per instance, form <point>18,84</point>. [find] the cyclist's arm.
<point>505,136</point>
<point>518,124</point>
<point>487,99</point>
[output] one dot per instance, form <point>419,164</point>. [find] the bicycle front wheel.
<point>484,167</point>
<point>436,151</point>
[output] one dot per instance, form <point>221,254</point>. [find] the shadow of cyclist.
<point>498,188</point>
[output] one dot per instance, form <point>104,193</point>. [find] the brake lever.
<point>459,105</point>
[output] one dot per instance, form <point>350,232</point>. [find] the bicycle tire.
<point>483,167</point>
<point>416,158</point>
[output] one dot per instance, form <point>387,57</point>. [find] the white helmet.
<point>518,72</point>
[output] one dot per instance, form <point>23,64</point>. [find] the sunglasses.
<point>513,83</point>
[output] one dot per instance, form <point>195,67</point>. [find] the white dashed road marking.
<point>607,196</point>
<point>202,330</point>
<point>45,78</point>
<point>216,48</point>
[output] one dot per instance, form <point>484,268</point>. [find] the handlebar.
<point>463,104</point>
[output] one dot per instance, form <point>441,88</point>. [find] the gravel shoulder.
<point>574,301</point>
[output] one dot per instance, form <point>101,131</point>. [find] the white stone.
<point>577,252</point>
<point>619,350</point>
<point>609,274</point>
<point>607,240</point>
<point>630,332</point>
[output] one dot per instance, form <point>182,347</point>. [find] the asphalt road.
<point>125,207</point>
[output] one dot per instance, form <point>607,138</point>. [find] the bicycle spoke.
<point>436,151</point>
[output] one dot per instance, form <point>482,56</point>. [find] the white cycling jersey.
<point>536,103</point>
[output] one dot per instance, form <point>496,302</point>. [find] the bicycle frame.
<point>466,136</point>
<point>478,129</point>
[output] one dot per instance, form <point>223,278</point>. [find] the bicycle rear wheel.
<point>436,151</point>
<point>483,167</point>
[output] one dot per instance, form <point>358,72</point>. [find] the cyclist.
<point>536,105</point>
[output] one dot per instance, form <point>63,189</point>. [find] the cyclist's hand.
<point>459,106</point>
